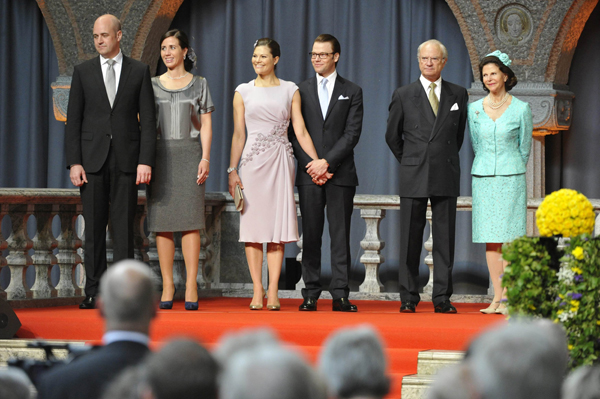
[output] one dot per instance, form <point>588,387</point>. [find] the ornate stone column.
<point>70,23</point>
<point>19,244</point>
<point>43,245</point>
<point>68,258</point>
<point>372,244</point>
<point>3,245</point>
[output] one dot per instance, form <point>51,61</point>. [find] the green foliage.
<point>570,297</point>
<point>530,282</point>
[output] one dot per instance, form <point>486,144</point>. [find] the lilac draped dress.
<point>267,165</point>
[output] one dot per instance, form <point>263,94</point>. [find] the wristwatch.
<point>229,170</point>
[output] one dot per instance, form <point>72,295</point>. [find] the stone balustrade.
<point>58,240</point>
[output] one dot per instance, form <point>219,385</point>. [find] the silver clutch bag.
<point>238,198</point>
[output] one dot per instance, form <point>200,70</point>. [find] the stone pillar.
<point>540,37</point>
<point>372,244</point>
<point>3,245</point>
<point>19,244</point>
<point>43,245</point>
<point>70,23</point>
<point>68,258</point>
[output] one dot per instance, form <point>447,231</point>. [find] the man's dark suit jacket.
<point>334,138</point>
<point>92,122</point>
<point>427,147</point>
<point>88,376</point>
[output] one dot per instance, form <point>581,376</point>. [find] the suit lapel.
<point>125,69</point>
<point>422,103</point>
<point>338,89</point>
<point>447,99</point>
<point>313,94</point>
<point>97,73</point>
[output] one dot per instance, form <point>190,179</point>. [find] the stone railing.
<point>58,240</point>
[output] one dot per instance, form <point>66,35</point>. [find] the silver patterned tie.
<point>433,100</point>
<point>324,97</point>
<point>110,81</point>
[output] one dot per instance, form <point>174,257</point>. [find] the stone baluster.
<point>153,260</point>
<point>18,258</point>
<point>428,289</point>
<point>300,284</point>
<point>206,270</point>
<point>179,270</point>
<point>68,257</point>
<point>372,245</point>
<point>43,256</point>
<point>3,245</point>
<point>140,240</point>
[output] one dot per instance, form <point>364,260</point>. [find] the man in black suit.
<point>110,143</point>
<point>127,302</point>
<point>425,131</point>
<point>332,108</point>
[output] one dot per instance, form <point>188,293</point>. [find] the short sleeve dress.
<point>175,201</point>
<point>499,186</point>
<point>267,166</point>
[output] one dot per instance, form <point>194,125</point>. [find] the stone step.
<point>429,363</point>
<point>18,349</point>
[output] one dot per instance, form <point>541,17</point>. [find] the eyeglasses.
<point>321,56</point>
<point>435,60</point>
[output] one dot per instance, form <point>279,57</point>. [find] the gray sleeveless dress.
<point>175,201</point>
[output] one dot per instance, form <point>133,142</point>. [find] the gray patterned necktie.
<point>324,97</point>
<point>110,81</point>
<point>433,100</point>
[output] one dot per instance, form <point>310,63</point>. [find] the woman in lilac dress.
<point>264,107</point>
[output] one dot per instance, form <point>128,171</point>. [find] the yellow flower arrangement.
<point>565,212</point>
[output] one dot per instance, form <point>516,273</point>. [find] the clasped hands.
<point>317,169</point>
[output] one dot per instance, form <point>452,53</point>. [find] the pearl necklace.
<point>181,77</point>
<point>497,105</point>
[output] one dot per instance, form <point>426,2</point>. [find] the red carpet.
<point>404,334</point>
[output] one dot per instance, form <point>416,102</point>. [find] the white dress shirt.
<point>330,83</point>
<point>117,67</point>
<point>438,87</point>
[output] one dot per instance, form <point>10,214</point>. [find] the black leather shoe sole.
<point>445,307</point>
<point>408,307</point>
<point>88,303</point>
<point>309,305</point>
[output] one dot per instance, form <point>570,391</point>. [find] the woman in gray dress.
<point>176,193</point>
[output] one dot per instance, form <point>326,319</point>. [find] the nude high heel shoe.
<point>258,307</point>
<point>490,309</point>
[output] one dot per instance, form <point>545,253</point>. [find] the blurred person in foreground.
<point>582,383</point>
<point>353,364</point>
<point>127,303</point>
<point>14,384</point>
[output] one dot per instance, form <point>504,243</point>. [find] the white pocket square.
<point>341,97</point>
<point>454,107</point>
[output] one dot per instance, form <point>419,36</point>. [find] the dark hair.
<point>327,38</point>
<point>271,44</point>
<point>492,59</point>
<point>183,42</point>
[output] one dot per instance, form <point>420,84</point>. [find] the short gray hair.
<point>234,343</point>
<point>14,384</point>
<point>270,372</point>
<point>522,360</point>
<point>353,363</point>
<point>436,42</point>
<point>127,294</point>
<point>583,383</point>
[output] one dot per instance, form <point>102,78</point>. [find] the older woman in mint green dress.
<point>501,132</point>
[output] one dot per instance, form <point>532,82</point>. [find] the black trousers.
<point>109,193</point>
<point>340,203</point>
<point>412,224</point>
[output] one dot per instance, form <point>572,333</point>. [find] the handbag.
<point>238,198</point>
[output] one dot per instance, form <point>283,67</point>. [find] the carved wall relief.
<point>514,24</point>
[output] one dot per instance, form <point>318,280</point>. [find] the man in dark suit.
<point>332,108</point>
<point>110,143</point>
<point>425,131</point>
<point>127,302</point>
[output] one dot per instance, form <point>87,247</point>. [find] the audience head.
<point>232,344</point>
<point>353,364</point>
<point>14,384</point>
<point>270,372</point>
<point>127,298</point>
<point>432,56</point>
<point>182,369</point>
<point>522,360</point>
<point>511,79</point>
<point>452,382</point>
<point>583,383</point>
<point>130,384</point>
<point>184,43</point>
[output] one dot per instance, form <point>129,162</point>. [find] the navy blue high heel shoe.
<point>191,305</point>
<point>168,304</point>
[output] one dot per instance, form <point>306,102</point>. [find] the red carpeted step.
<point>404,335</point>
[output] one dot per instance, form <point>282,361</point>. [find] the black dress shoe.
<point>343,305</point>
<point>309,304</point>
<point>88,303</point>
<point>445,307</point>
<point>408,307</point>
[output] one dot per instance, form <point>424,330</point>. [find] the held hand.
<point>203,169</point>
<point>319,181</point>
<point>144,174</point>
<point>234,179</point>
<point>77,175</point>
<point>317,168</point>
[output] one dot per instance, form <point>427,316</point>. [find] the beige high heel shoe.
<point>274,307</point>
<point>502,309</point>
<point>259,307</point>
<point>490,309</point>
